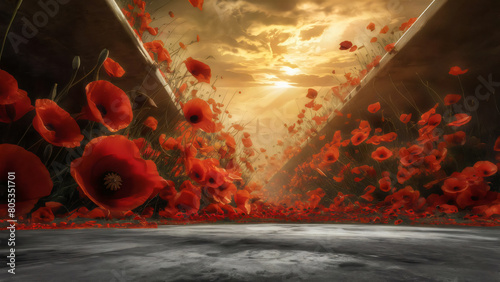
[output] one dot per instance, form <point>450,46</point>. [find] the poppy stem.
<point>9,26</point>
<point>25,132</point>
<point>461,87</point>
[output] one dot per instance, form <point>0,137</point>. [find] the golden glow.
<point>290,71</point>
<point>273,51</point>
<point>282,84</point>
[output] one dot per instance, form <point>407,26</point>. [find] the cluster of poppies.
<point>401,175</point>
<point>116,172</point>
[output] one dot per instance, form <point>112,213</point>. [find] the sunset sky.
<point>274,50</point>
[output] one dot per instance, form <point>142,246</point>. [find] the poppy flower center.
<point>49,127</point>
<point>112,181</point>
<point>102,109</point>
<point>211,180</point>
<point>194,119</point>
<point>196,175</point>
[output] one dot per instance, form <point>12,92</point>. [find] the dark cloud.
<point>313,32</point>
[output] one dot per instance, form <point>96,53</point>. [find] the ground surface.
<point>264,252</point>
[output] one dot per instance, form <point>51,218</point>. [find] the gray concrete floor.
<point>260,252</point>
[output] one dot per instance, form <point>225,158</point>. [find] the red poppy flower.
<point>197,170</point>
<point>345,45</point>
<point>198,113</point>
<point>242,200</point>
<point>460,119</point>
<point>108,104</point>
<point>389,47</point>
<point>146,150</point>
<point>171,14</point>
<point>197,4</point>
<point>214,177</point>
<point>451,99</point>
<point>424,118</point>
<point>457,71</point>
<point>151,122</point>
<point>496,148</point>
<point>199,70</point>
<point>373,40</point>
<point>221,193</point>
<point>140,4</point>
<point>113,175</point>
<point>358,138</point>
<point>187,201</point>
<point>168,192</point>
<point>485,168</point>
<point>434,120</point>
<point>156,47</point>
<point>310,104</point>
<point>9,91</point>
<point>247,142</point>
<point>168,144</point>
<point>112,68</point>
<point>213,208</point>
<point>457,138</point>
<point>13,112</point>
<point>361,172</point>
<point>389,137</point>
<point>373,108</point>
<point>42,215</point>
<point>469,174</point>
<point>473,195</point>
<point>230,142</point>
<point>408,24</point>
<point>408,197</point>
<point>56,125</point>
<point>385,184</point>
<point>448,209</point>
<point>371,27</point>
<point>411,155</point>
<point>492,210</point>
<point>454,185</point>
<point>404,175</point>
<point>381,154</point>
<point>311,93</point>
<point>405,118</point>
<point>332,155</point>
<point>384,30</point>
<point>32,178</point>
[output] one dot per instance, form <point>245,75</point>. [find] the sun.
<point>282,84</point>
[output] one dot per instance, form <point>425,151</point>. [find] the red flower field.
<point>122,163</point>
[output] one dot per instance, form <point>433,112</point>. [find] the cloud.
<point>313,32</point>
<point>253,41</point>
<point>307,80</point>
